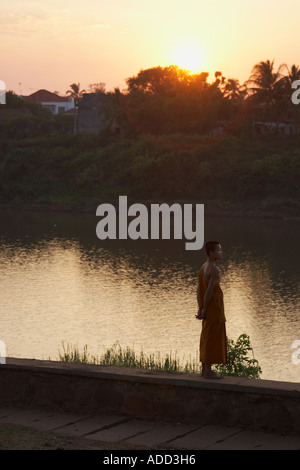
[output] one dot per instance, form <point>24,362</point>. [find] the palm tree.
<point>265,84</point>
<point>233,90</point>
<point>292,74</point>
<point>76,94</point>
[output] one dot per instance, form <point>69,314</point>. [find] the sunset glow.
<point>51,45</point>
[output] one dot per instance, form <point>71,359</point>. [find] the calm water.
<point>59,283</point>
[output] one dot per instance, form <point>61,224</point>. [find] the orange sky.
<point>51,44</point>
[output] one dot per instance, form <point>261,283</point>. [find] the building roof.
<point>45,96</point>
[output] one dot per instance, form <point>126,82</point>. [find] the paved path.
<point>150,435</point>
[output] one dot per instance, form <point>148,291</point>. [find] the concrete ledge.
<point>175,397</point>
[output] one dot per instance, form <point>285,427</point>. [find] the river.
<point>60,284</point>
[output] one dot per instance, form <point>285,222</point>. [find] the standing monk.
<point>213,343</point>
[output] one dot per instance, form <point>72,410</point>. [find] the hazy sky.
<point>53,43</point>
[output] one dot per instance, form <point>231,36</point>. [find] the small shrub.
<point>238,362</point>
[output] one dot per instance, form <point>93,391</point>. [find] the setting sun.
<point>189,57</point>
<point>38,39</point>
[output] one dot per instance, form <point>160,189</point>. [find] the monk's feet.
<point>211,375</point>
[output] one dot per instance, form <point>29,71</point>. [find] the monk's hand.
<point>200,315</point>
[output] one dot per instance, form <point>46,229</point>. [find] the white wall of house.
<point>57,107</point>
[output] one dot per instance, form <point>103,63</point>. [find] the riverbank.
<point>174,397</point>
<point>231,176</point>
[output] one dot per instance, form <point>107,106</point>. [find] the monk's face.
<point>217,253</point>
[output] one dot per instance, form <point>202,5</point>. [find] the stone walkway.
<point>152,435</point>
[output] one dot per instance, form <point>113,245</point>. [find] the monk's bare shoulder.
<point>215,273</point>
<point>211,272</point>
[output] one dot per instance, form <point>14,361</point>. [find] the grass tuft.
<point>239,364</point>
<point>117,356</point>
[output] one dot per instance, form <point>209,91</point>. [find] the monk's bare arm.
<point>198,299</point>
<point>214,278</point>
<point>198,316</point>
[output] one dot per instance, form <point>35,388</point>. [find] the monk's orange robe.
<point>213,343</point>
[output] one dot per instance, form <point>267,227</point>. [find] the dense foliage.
<point>170,148</point>
<point>167,100</point>
<point>229,170</point>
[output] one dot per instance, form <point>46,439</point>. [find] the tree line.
<point>169,100</point>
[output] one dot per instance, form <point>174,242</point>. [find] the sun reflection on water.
<point>57,289</point>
